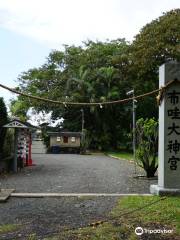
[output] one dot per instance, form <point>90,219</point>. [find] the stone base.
<point>156,190</point>
<point>5,194</point>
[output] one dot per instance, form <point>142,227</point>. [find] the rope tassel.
<point>160,96</point>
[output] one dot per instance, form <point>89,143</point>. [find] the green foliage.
<point>103,71</point>
<point>45,137</point>
<point>3,121</point>
<point>85,141</point>
<point>129,213</point>
<point>8,143</point>
<point>147,145</point>
<point>156,43</point>
<point>19,109</point>
<point>122,155</point>
<point>9,228</point>
<point>163,213</point>
<point>82,74</point>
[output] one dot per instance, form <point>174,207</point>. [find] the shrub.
<point>8,143</point>
<point>147,145</point>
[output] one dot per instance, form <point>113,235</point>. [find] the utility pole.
<point>134,126</point>
<point>134,133</point>
<point>82,129</point>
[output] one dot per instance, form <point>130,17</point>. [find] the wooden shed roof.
<point>68,134</point>
<point>18,124</point>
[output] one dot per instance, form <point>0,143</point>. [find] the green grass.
<point>165,212</point>
<point>8,228</point>
<point>32,236</point>
<point>121,155</point>
<point>162,214</point>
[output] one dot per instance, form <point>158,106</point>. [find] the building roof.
<point>67,134</point>
<point>18,124</point>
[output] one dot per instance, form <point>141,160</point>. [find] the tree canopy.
<point>156,43</point>
<point>102,71</point>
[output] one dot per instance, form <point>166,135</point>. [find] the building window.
<point>65,139</point>
<point>58,139</point>
<point>73,139</point>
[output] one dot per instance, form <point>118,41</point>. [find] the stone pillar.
<point>169,133</point>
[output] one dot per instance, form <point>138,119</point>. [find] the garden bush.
<point>147,145</point>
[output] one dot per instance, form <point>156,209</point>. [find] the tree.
<point>3,121</point>
<point>83,74</point>
<point>105,71</point>
<point>19,109</point>
<point>157,43</point>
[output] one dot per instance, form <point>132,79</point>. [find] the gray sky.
<point>30,29</point>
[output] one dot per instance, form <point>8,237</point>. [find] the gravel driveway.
<point>71,173</point>
<point>65,173</point>
<point>48,216</point>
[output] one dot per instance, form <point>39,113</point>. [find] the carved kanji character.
<point>173,128</point>
<point>174,146</point>
<point>174,113</point>
<point>174,97</point>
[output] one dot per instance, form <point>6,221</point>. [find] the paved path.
<point>38,147</point>
<point>71,173</point>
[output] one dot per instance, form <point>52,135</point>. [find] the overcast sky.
<point>30,29</point>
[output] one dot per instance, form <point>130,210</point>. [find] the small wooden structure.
<point>66,141</point>
<point>22,143</point>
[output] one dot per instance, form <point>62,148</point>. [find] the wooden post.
<point>16,130</point>
<point>30,163</point>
